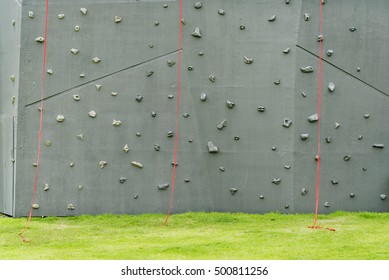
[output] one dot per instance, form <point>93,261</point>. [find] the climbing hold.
<point>170,134</point>
<point>287,2</point>
<point>352,195</point>
<point>334,182</point>
<point>307,69</point>
<point>74,51</point>
<point>60,118</point>
<point>196,33</point>
<point>313,118</point>
<point>212,78</point>
<point>286,51</point>
<point>137,164</point>
<point>46,187</point>
<point>170,96</point>
<point>138,134</point>
<point>118,19</point>
<point>261,197</point>
<point>50,71</point>
<point>77,28</point>
<point>222,124</point>
<point>114,93</point>
<point>203,96</point>
<point>360,137</point>
<point>230,104</point>
<point>102,164</point>
<point>71,164</point>
<point>331,87</point>
<point>157,147</point>
<point>346,157</point>
<point>122,180</point>
<point>35,164</point>
<point>326,204</point>
<point>366,116</point>
<point>276,181</point>
<point>92,114</point>
<point>304,191</point>
<point>337,125</point>
<point>116,122</point>
<point>274,148</point>
<point>151,46</point>
<point>303,94</point>
<point>71,206</point>
<point>277,82</point>
<point>233,191</point>
<point>317,157</point>
<point>307,16</point>
<point>170,63</point>
<point>222,169</point>
<point>156,23</point>
<point>304,136</point>
<point>201,53</point>
<point>82,75</point>
<point>126,148</point>
<point>221,12</point>
<point>174,163</point>
<point>287,166</point>
<point>358,69</point>
<point>39,39</point>
<point>329,53</point>
<point>163,187</point>
<point>136,196</point>
<point>248,60</point>
<point>35,206</point>
<point>185,115</point>
<point>96,60</point>
<point>31,14</point>
<point>320,38</point>
<point>80,136</point>
<point>149,73</point>
<point>12,77</point>
<point>186,180</point>
<point>328,139</point>
<point>61,16</point>
<point>287,122</point>
<point>198,5</point>
<point>352,29</point>
<point>98,87</point>
<point>378,146</point>
<point>242,27</point>
<point>190,68</point>
<point>80,187</point>
<point>236,138</point>
<point>13,99</point>
<point>272,18</point>
<point>153,114</point>
<point>261,109</point>
<point>48,143</point>
<point>139,98</point>
<point>212,148</point>
<point>383,196</point>
<point>83,11</point>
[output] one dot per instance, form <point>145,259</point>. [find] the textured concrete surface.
<point>262,163</point>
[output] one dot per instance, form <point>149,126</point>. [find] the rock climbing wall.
<point>247,119</point>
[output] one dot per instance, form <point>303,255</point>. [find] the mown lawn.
<point>198,236</point>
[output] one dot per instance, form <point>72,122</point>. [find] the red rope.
<point>173,179</point>
<point>40,122</point>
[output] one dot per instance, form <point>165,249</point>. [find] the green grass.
<point>198,236</point>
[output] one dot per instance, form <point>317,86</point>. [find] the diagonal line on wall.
<point>104,76</point>
<point>344,71</point>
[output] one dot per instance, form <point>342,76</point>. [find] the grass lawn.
<point>198,236</point>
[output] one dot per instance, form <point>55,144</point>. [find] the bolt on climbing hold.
<point>92,114</point>
<point>313,118</point>
<point>329,53</point>
<point>96,60</point>
<point>221,12</point>
<point>248,60</point>
<point>212,148</point>
<point>307,69</point>
<point>126,148</point>
<point>116,122</point>
<point>287,122</point>
<point>272,18</point>
<point>102,163</point>
<point>163,187</point>
<point>307,16</point>
<point>304,191</point>
<point>331,87</point>
<point>233,191</point>
<point>83,11</point>
<point>39,39</point>
<point>198,5</point>
<point>230,104</point>
<point>212,78</point>
<point>60,118</point>
<point>74,51</point>
<point>118,19</point>
<point>286,51</point>
<point>203,96</point>
<point>136,164</point>
<point>71,206</point>
<point>222,124</point>
<point>304,136</point>
<point>276,181</point>
<point>196,33</point>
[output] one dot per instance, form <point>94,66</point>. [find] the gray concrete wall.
<point>254,147</point>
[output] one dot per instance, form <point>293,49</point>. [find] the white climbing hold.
<point>39,39</point>
<point>116,122</point>
<point>50,71</point>
<point>126,148</point>
<point>83,11</point>
<point>102,163</point>
<point>96,59</point>
<point>92,114</point>
<point>74,51</point>
<point>31,14</point>
<point>60,118</point>
<point>137,164</point>
<point>331,87</point>
<point>98,87</point>
<point>12,77</point>
<point>61,16</point>
<point>118,19</point>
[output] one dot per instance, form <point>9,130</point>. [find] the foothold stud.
<point>328,139</point>
<point>136,164</point>
<point>71,164</point>
<point>157,147</point>
<point>313,118</point>
<point>329,53</point>
<point>198,5</point>
<point>83,11</point>
<point>230,104</point>
<point>165,6</point>
<point>80,136</point>
<point>126,148</point>
<point>304,191</point>
<point>304,136</point>
<point>196,33</point>
<point>139,98</point>
<point>60,118</point>
<point>77,28</point>
<point>383,196</point>
<point>74,51</point>
<point>118,19</point>
<point>80,187</point>
<point>76,97</point>
<point>203,96</point>
<point>221,12</point>
<point>326,204</point>
<point>50,71</point>
<point>170,63</point>
<point>163,187</point>
<point>201,53</point>
<point>276,181</point>
<point>122,180</point>
<point>287,123</point>
<point>212,78</point>
<point>212,148</point>
<point>187,180</point>
<point>378,146</point>
<point>138,134</point>
<point>307,16</point>
<point>222,169</point>
<point>337,125</point>
<point>31,14</point>
<point>39,39</point>
<point>96,60</point>
<point>352,195</point>
<point>35,206</point>
<point>61,16</point>
<point>346,157</point>
<point>174,163</point>
<point>149,73</point>
<point>307,69</point>
<point>116,122</point>
<point>102,163</point>
<point>364,168</point>
<point>98,87</point>
<point>151,46</point>
<point>248,60</point>
<point>272,18</point>
<point>170,134</point>
<point>233,191</point>
<point>13,22</point>
<point>334,182</point>
<point>92,114</point>
<point>358,69</point>
<point>222,124</point>
<point>82,75</point>
<point>71,206</point>
<point>286,51</point>
<point>331,87</point>
<point>46,187</point>
<point>287,2</point>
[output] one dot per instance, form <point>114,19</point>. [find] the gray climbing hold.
<point>149,73</point>
<point>313,118</point>
<point>46,187</point>
<point>170,63</point>
<point>170,96</point>
<point>304,136</point>
<point>366,116</point>
<point>230,104</point>
<point>92,114</point>
<point>360,137</point>
<point>80,187</point>
<point>157,147</point>
<point>303,94</point>
<point>274,148</point>
<point>186,115</point>
<point>276,181</point>
<point>352,195</point>
<point>261,197</point>
<point>272,18</point>
<point>287,167</point>
<point>118,19</point>
<point>307,69</point>
<point>317,157</point>
<point>261,109</point>
<point>139,98</point>
<point>328,139</point>
<point>151,46</point>
<point>35,206</point>
<point>174,163</point>
<point>136,196</point>
<point>190,68</point>
<point>222,124</point>
<point>196,33</point>
<point>82,75</point>
<point>334,182</point>
<point>39,39</point>
<point>122,180</point>
<point>153,114</point>
<point>138,134</point>
<point>286,51</point>
<point>163,187</point>
<point>364,168</point>
<point>126,148</point>
<point>50,71</point>
<point>71,206</point>
<point>136,164</point>
<point>331,87</point>
<point>114,93</point>
<point>60,118</point>
<point>102,163</point>
<point>13,99</point>
<point>307,16</point>
<point>320,38</point>
<point>186,180</point>
<point>212,148</point>
<point>352,29</point>
<point>74,51</point>
<point>378,146</point>
<point>98,87</point>
<point>222,169</point>
<point>329,53</point>
<point>277,82</point>
<point>337,125</point>
<point>248,60</point>
<point>61,16</point>
<point>170,134</point>
<point>80,136</point>
<point>221,12</point>
<point>287,122</point>
<point>346,157</point>
<point>198,5</point>
<point>96,60</point>
<point>203,96</point>
<point>304,191</point>
<point>233,191</point>
<point>358,69</point>
<point>83,11</point>
<point>212,78</point>
<point>201,53</point>
<point>326,204</point>
<point>31,14</point>
<point>383,196</point>
<point>12,77</point>
<point>71,164</point>
<point>35,164</point>
<point>165,5</point>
